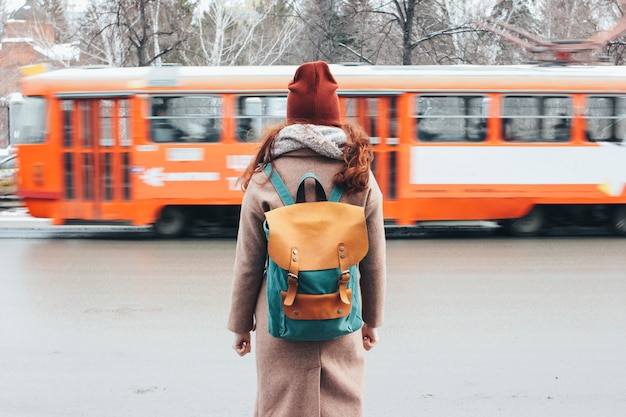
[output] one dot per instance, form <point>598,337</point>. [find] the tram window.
<point>606,118</point>
<point>351,110</point>
<point>67,107</point>
<point>124,123</point>
<point>86,115</point>
<point>29,120</point>
<point>192,118</point>
<point>393,117</point>
<point>371,114</point>
<point>450,118</point>
<point>363,111</point>
<point>536,118</point>
<point>257,113</point>
<point>106,114</point>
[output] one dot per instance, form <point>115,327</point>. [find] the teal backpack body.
<point>312,269</point>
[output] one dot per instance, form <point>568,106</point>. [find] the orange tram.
<point>527,147</point>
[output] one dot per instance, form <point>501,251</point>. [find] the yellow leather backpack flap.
<point>316,229</point>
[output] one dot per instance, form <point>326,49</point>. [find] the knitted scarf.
<point>328,141</point>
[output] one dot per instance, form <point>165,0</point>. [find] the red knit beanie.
<point>313,96</point>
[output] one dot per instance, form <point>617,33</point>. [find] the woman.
<point>308,378</point>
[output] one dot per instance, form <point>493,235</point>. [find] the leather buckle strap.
<point>292,278</point>
<point>344,278</point>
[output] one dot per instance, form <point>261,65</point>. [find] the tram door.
<point>96,145</point>
<point>378,115</point>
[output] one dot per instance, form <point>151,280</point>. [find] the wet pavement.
<point>123,324</point>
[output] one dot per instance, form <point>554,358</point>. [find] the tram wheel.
<point>529,225</point>
<point>618,221</point>
<point>171,223</point>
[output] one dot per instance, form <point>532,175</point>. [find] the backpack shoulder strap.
<point>320,194</point>
<point>284,194</point>
<point>335,194</point>
<point>279,185</point>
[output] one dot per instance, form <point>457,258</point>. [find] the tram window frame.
<point>256,113</point>
<point>189,118</point>
<point>537,118</point>
<point>450,118</point>
<point>606,121</point>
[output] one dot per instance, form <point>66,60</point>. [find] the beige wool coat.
<point>304,378</point>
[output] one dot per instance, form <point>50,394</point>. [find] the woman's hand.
<point>242,343</point>
<point>370,336</point>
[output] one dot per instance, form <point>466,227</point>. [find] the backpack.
<point>312,268</point>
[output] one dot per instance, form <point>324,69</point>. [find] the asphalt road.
<point>100,323</point>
